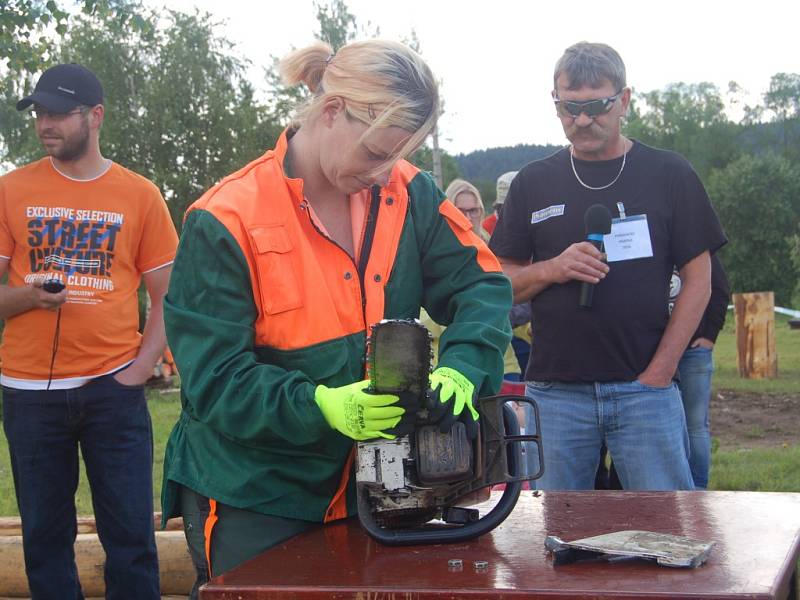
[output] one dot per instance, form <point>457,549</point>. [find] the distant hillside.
<point>488,165</point>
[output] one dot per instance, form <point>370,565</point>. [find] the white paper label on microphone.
<point>629,239</point>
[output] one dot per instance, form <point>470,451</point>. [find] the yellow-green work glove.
<point>451,393</point>
<point>356,413</point>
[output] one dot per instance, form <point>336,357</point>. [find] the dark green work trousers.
<point>237,536</point>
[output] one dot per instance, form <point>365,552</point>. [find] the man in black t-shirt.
<point>606,373</point>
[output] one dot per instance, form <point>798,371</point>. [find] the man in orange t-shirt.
<point>77,235</point>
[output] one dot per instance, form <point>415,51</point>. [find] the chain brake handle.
<point>498,441</point>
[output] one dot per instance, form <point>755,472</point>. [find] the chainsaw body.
<point>405,483</point>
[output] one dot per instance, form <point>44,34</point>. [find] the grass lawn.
<point>763,470</point>
<point>787,342</point>
<point>775,469</point>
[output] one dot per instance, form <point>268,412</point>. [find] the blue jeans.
<point>111,424</point>
<point>695,368</point>
<point>643,427</point>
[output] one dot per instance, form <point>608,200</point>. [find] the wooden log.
<point>175,565</point>
<point>756,356</point>
<point>13,525</point>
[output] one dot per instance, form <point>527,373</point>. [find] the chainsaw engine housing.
<point>404,483</point>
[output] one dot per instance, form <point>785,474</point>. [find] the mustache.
<point>49,133</point>
<point>590,130</point>
<point>592,126</point>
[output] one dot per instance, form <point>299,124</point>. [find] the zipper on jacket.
<point>366,246</point>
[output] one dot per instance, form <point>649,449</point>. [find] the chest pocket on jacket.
<point>278,283</point>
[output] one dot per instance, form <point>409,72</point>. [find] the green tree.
<point>27,27</point>
<point>22,26</point>
<point>178,109</point>
<point>423,158</point>
<point>18,141</point>
<point>336,26</point>
<point>201,118</point>
<point>782,99</point>
<point>783,96</point>
<point>758,202</point>
<point>120,57</point>
<point>689,119</point>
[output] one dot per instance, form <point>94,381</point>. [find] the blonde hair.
<point>382,84</point>
<point>461,186</point>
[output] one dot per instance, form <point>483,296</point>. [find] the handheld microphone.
<point>598,223</point>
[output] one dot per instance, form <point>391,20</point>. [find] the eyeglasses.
<point>592,108</point>
<point>471,212</point>
<point>41,113</point>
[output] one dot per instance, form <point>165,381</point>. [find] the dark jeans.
<point>112,425</point>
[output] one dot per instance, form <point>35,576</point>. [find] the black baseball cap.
<point>63,87</point>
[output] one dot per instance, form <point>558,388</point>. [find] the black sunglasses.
<point>592,108</point>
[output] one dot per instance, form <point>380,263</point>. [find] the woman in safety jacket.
<point>281,270</point>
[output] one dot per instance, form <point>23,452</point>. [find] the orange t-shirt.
<point>97,237</point>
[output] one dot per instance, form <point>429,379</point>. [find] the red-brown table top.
<point>757,536</point>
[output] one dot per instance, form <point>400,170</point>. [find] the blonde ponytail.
<point>383,84</point>
<point>306,66</point>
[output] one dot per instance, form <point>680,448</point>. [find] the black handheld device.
<point>53,286</point>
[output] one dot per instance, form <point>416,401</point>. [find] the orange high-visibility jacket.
<point>263,307</point>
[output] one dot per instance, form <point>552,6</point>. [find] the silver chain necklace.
<point>602,187</point>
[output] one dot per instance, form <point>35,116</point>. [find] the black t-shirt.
<point>616,338</point>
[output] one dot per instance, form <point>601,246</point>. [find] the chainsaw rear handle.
<point>449,534</point>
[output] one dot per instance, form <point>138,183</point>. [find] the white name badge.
<point>629,239</point>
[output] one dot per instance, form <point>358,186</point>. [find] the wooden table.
<point>757,535</point>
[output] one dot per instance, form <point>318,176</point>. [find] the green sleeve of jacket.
<point>209,314</point>
<point>472,303</point>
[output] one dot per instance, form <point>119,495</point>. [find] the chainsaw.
<point>406,483</point>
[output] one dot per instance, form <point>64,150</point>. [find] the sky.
<point>495,58</point>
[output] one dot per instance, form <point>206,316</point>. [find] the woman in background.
<point>468,200</point>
